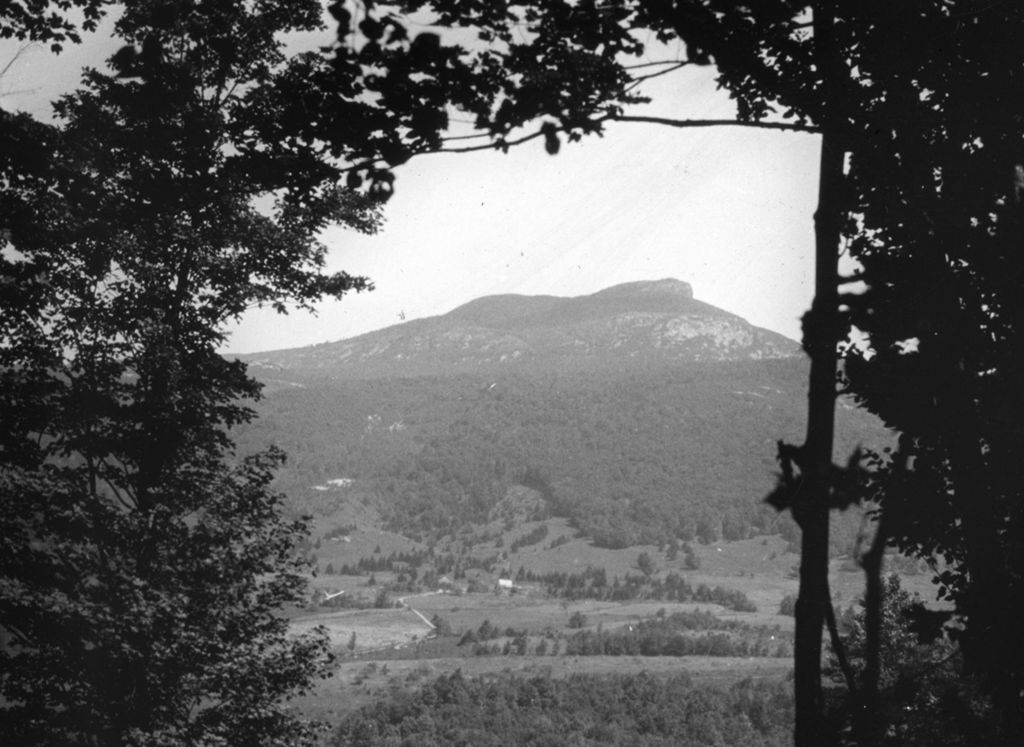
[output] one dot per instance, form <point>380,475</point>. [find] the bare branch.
<point>679,123</point>
<point>641,78</point>
<point>638,66</point>
<point>22,48</point>
<point>715,123</point>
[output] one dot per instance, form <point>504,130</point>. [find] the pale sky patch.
<point>727,209</point>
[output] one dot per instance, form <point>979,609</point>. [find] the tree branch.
<point>638,66</point>
<point>668,122</point>
<point>650,76</point>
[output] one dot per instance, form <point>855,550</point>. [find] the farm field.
<point>385,651</point>
<point>374,629</point>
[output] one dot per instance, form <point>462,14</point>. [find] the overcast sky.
<point>727,209</point>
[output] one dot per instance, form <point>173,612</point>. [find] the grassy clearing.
<point>537,615</point>
<point>374,629</point>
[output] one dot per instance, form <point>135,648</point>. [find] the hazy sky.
<point>727,209</point>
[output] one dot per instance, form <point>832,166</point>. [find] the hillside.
<point>638,413</point>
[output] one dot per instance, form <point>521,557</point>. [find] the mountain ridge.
<point>643,322</point>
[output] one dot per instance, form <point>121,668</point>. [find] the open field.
<point>374,629</point>
<point>537,615</point>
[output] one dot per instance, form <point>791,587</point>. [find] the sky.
<point>727,209</point>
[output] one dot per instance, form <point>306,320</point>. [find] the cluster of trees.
<point>663,640</point>
<point>534,536</point>
<point>692,633</point>
<point>677,635</point>
<point>593,583</point>
<point>407,560</point>
<point>582,709</point>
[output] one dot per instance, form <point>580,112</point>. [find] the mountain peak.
<point>663,287</point>
<point>644,323</point>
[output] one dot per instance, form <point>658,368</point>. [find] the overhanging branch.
<point>665,121</point>
<point>668,122</point>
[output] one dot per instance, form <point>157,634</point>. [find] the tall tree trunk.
<point>811,506</point>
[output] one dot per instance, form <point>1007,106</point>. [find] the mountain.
<point>642,323</point>
<point>639,413</point>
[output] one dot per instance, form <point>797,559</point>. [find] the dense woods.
<point>641,709</point>
<point>640,456</point>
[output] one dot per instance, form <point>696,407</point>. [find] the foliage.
<point>938,206</point>
<point>44,20</point>
<point>142,564</point>
<point>645,563</point>
<point>927,697</point>
<point>695,633</point>
<point>582,709</point>
<point>577,620</point>
<point>788,605</point>
<point>593,583</point>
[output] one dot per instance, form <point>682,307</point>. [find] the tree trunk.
<point>820,332</point>
<point>811,507</point>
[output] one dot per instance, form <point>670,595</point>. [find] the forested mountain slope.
<point>674,441</point>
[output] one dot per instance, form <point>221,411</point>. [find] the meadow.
<point>395,649</point>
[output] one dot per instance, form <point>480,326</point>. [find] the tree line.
<point>586,709</point>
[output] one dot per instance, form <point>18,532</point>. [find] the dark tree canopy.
<point>53,21</point>
<point>144,564</point>
<point>940,238</point>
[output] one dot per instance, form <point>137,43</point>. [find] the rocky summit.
<point>633,324</point>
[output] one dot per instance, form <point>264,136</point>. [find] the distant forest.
<point>580,710</point>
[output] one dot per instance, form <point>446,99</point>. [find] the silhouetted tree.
<point>939,203</point>
<point>142,564</point>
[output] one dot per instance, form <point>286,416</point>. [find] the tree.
<point>924,697</point>
<point>645,563</point>
<point>939,244</point>
<point>142,562</point>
